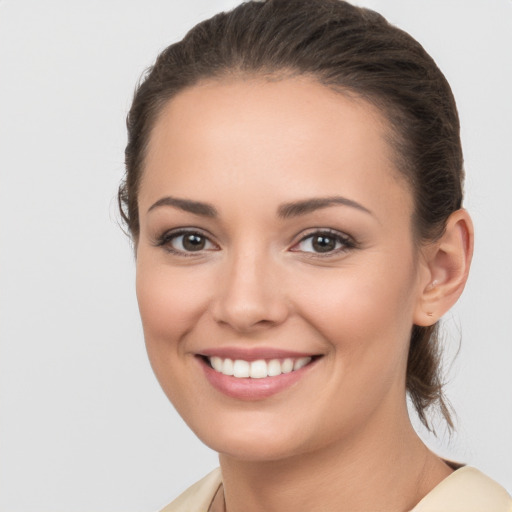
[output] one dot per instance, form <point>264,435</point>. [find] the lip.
<point>253,389</point>
<point>253,354</point>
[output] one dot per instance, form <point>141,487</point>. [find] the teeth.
<point>241,368</point>
<point>227,367</point>
<point>216,362</point>
<point>257,369</point>
<point>274,368</point>
<point>287,366</point>
<point>299,363</point>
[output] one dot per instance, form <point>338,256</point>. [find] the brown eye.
<point>193,242</point>
<point>186,242</point>
<point>324,242</point>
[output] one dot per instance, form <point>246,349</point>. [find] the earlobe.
<point>447,263</point>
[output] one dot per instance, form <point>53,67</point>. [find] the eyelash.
<point>166,239</point>
<point>346,243</point>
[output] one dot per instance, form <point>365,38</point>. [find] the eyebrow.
<point>285,211</point>
<point>195,207</point>
<point>296,208</point>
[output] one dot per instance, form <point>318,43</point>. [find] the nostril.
<point>249,315</point>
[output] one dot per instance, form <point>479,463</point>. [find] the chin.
<point>253,440</point>
<point>260,451</point>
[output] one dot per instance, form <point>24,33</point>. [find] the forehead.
<point>293,133</point>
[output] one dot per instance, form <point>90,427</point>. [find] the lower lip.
<point>253,389</point>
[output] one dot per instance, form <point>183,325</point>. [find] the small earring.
<point>433,284</point>
<point>429,313</point>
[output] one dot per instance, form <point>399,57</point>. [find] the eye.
<point>186,241</point>
<point>323,242</point>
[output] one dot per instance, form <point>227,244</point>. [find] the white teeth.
<point>241,368</point>
<point>287,366</point>
<point>274,367</point>
<point>227,367</point>
<point>216,362</point>
<point>257,369</point>
<point>301,362</point>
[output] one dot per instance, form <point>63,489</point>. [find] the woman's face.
<point>275,232</point>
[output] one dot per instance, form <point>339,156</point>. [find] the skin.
<point>340,437</point>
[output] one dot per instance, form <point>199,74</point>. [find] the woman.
<point>294,193</point>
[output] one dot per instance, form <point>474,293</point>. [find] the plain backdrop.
<point>83,423</point>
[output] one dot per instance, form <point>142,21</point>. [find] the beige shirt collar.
<point>465,490</point>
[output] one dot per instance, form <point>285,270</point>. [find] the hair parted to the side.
<point>349,49</point>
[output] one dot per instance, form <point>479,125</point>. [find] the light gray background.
<point>84,425</point>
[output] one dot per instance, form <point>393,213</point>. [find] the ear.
<point>445,269</point>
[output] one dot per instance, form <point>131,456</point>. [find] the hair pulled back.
<point>349,49</point>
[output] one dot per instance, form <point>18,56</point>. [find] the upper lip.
<point>253,353</point>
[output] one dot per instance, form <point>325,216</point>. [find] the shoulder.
<point>198,497</point>
<point>466,490</point>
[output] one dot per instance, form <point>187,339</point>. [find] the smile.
<point>258,369</point>
<point>254,375</point>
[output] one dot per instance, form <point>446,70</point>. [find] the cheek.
<point>169,301</point>
<point>366,315</point>
<point>366,319</point>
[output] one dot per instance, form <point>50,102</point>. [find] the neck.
<point>384,469</point>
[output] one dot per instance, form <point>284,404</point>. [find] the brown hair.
<point>349,49</point>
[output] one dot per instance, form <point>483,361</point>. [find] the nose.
<point>250,296</point>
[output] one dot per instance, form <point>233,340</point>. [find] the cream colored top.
<point>465,490</point>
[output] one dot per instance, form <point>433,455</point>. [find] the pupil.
<point>324,243</point>
<point>193,242</point>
